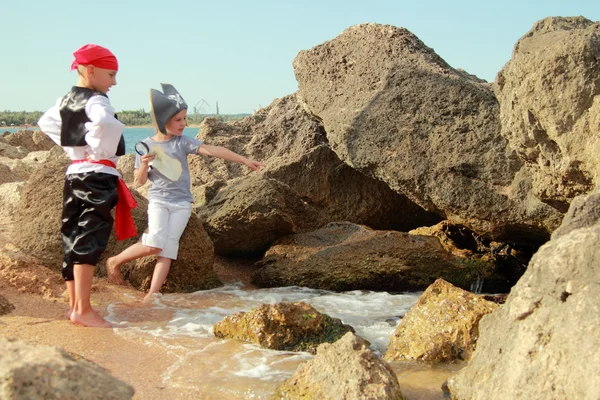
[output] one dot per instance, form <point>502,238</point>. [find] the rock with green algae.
<point>442,326</point>
<point>283,326</point>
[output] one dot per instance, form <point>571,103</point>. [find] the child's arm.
<point>104,129</point>
<point>50,122</point>
<point>141,174</point>
<point>226,154</point>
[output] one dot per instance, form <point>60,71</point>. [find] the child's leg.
<point>161,270</point>
<point>177,221</point>
<point>71,292</point>
<point>83,313</point>
<point>151,244</point>
<point>135,251</point>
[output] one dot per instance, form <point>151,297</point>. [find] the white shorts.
<point>166,223</point>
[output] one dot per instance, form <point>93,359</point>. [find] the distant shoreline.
<point>35,127</point>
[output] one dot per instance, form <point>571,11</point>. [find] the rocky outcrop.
<point>39,215</point>
<point>443,326</point>
<point>542,342</point>
<point>29,372</point>
<point>509,260</point>
<point>192,271</point>
<point>5,306</point>
<point>38,218</point>
<point>584,212</point>
<point>303,187</point>
<point>346,369</point>
<point>252,213</point>
<point>125,165</point>
<point>549,97</point>
<point>29,140</point>
<point>346,256</point>
<point>282,326</point>
<point>19,169</point>
<point>395,111</point>
<point>10,196</point>
<point>10,151</point>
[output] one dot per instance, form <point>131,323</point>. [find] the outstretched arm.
<point>226,154</point>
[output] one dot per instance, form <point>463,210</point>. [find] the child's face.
<point>177,123</point>
<point>102,79</point>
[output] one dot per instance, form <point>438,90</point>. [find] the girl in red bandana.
<point>84,123</point>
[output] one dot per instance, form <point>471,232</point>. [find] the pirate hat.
<point>165,105</point>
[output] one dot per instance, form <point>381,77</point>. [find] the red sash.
<point>124,225</point>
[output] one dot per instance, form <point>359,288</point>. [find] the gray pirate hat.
<point>165,104</point>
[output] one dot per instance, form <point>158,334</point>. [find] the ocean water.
<point>132,135</point>
<point>223,369</point>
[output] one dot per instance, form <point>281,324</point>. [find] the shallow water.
<point>227,369</point>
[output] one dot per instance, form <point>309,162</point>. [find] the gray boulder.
<point>343,256</point>
<point>346,369</point>
<point>38,218</point>
<point>543,343</point>
<point>30,140</point>
<point>29,372</point>
<point>301,168</point>
<point>397,112</point>
<point>550,107</point>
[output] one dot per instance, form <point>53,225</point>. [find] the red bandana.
<point>98,56</point>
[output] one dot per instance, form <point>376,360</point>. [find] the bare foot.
<point>91,319</point>
<point>149,298</point>
<point>113,271</point>
<point>71,312</point>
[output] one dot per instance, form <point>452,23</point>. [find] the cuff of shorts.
<point>152,241</point>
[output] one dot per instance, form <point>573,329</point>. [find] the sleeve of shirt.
<point>137,162</point>
<point>190,145</point>
<point>104,130</point>
<point>50,122</point>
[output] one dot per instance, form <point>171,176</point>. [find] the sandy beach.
<point>40,318</point>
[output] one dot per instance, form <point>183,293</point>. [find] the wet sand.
<point>40,318</point>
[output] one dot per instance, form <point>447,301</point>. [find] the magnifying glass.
<point>142,148</point>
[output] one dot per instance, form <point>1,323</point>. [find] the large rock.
<point>10,151</point>
<point>584,212</point>
<point>6,307</point>
<point>30,140</point>
<point>29,372</point>
<point>10,196</point>
<point>253,212</point>
<point>395,111</point>
<point>301,168</point>
<point>38,218</point>
<point>19,169</point>
<point>550,106</point>
<point>543,342</point>
<point>282,326</point>
<point>346,369</point>
<point>443,326</point>
<point>344,256</point>
<point>192,271</point>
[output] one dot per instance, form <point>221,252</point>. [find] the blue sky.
<point>237,53</point>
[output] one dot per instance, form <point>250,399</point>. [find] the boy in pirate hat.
<point>170,201</point>
<point>84,123</point>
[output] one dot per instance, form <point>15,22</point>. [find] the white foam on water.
<point>183,324</point>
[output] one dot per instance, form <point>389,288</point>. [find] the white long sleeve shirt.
<point>104,133</point>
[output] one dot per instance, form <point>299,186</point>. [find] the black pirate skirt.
<point>88,199</point>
